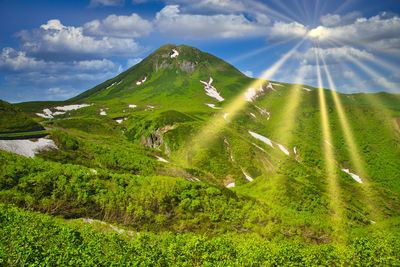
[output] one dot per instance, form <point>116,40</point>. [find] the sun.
<point>317,33</point>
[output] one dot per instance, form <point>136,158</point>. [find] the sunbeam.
<point>208,133</point>
<point>355,156</point>
<point>333,187</point>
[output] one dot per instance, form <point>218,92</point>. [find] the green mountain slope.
<point>137,156</point>
<point>12,119</point>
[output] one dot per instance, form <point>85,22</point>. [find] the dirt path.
<point>49,127</point>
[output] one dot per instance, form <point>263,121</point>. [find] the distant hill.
<point>13,119</point>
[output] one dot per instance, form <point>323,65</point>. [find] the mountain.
<point>181,151</point>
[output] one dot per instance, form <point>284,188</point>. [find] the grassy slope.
<point>291,197</point>
<point>12,119</point>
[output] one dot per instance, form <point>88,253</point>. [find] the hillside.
<point>159,151</point>
<point>12,119</point>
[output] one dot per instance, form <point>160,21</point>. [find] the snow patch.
<point>307,89</point>
<point>142,81</point>
<point>59,113</point>
<point>102,112</point>
<point>161,159</point>
<point>262,138</point>
<point>284,150</point>
<point>120,120</point>
<point>72,107</point>
<point>174,53</point>
<point>295,150</point>
<point>251,94</point>
<point>248,177</point>
<point>212,106</point>
<point>258,147</point>
<point>132,106</point>
<point>269,86</point>
<point>111,85</point>
<point>277,84</point>
<point>231,185</point>
<point>27,148</point>
<point>226,115</point>
<point>47,113</point>
<point>354,176</point>
<point>263,112</point>
<point>149,107</point>
<point>211,90</point>
<point>252,114</point>
<point>115,228</point>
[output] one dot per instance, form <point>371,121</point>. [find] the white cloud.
<point>56,41</point>
<point>119,26</point>
<point>12,61</point>
<point>15,61</point>
<point>330,20</point>
<point>333,55</point>
<point>286,31</point>
<point>171,22</point>
<point>95,3</point>
<point>379,32</point>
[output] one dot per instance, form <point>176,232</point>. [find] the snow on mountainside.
<point>211,90</point>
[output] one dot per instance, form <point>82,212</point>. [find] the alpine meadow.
<point>181,159</point>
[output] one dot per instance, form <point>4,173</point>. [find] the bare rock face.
<point>187,66</point>
<point>155,139</point>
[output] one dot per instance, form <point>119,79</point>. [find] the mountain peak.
<point>169,64</point>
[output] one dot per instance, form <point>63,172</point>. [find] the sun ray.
<point>285,132</point>
<point>208,133</point>
<point>333,187</point>
<point>350,141</point>
<point>285,8</point>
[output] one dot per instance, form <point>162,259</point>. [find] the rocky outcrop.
<point>155,139</point>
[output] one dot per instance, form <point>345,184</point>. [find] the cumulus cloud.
<point>333,55</point>
<point>13,61</point>
<point>56,41</point>
<point>331,20</point>
<point>286,31</point>
<point>380,32</point>
<point>119,26</point>
<point>95,3</point>
<point>173,23</point>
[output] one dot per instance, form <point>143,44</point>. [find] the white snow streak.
<point>262,138</point>
<point>226,115</point>
<point>211,90</point>
<point>27,148</point>
<point>269,86</point>
<point>251,94</point>
<point>72,107</point>
<point>295,150</point>
<point>307,89</point>
<point>132,106</point>
<point>258,147</point>
<point>161,159</point>
<point>231,185</point>
<point>284,150</point>
<point>102,112</point>
<point>354,176</point>
<point>174,54</point>
<point>212,106</point>
<point>277,84</point>
<point>142,81</point>
<point>252,114</point>
<point>263,111</point>
<point>247,176</point>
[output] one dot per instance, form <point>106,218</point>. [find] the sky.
<point>54,50</point>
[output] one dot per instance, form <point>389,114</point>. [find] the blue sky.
<point>53,50</point>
